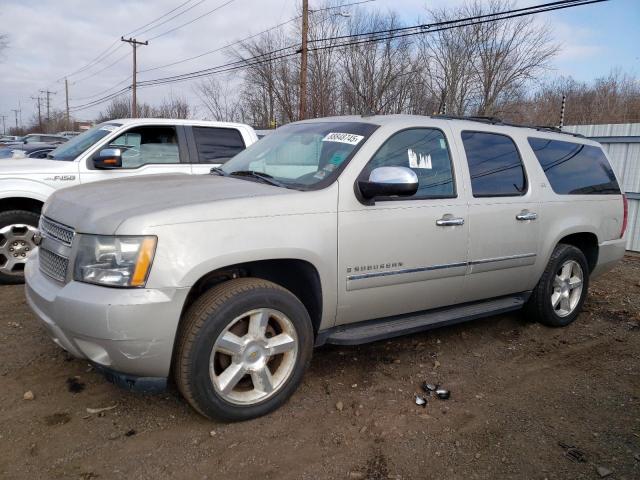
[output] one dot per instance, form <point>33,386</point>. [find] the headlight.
<point>114,261</point>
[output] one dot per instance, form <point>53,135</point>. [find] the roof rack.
<point>498,121</point>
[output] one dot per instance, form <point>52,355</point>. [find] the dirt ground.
<point>521,395</point>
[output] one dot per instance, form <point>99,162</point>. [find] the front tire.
<point>242,349</point>
<point>17,228</point>
<point>558,298</point>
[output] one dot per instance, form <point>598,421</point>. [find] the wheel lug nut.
<point>27,249</point>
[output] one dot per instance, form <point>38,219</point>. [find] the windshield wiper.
<point>219,171</point>
<point>263,177</point>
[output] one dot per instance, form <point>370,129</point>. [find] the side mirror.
<point>389,181</point>
<point>108,158</point>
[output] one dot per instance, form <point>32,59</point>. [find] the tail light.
<point>625,217</point>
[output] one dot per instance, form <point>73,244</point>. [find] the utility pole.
<point>39,112</point>
<point>66,100</point>
<point>134,43</point>
<point>303,60</point>
<point>4,127</point>
<point>48,93</point>
<point>15,112</point>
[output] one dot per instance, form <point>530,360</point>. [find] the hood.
<point>28,166</point>
<point>151,200</point>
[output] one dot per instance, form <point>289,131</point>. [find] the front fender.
<point>24,188</point>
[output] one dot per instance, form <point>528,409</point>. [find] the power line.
<point>373,38</point>
<point>193,20</point>
<point>389,34</point>
<point>236,42</point>
<point>171,18</point>
<point>110,51</point>
<point>118,60</point>
<point>223,47</point>
<point>160,17</point>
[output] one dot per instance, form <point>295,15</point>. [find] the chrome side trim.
<point>406,270</point>
<point>502,259</point>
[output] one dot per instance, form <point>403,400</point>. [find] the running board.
<point>389,327</point>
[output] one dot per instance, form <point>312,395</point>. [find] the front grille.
<point>53,265</point>
<point>56,230</point>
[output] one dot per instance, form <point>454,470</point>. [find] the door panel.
<point>394,260</point>
<point>393,257</point>
<point>503,227</point>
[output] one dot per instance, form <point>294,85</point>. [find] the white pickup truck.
<point>114,149</point>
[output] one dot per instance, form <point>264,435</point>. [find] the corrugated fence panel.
<point>625,159</point>
<point>633,228</point>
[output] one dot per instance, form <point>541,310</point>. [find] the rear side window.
<point>216,145</point>
<point>494,165</point>
<point>575,169</point>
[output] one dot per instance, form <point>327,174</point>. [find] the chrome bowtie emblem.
<point>37,238</point>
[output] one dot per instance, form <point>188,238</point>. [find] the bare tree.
<point>172,107</point>
<point>508,54</point>
<point>119,107</point>
<point>446,71</point>
<point>219,100</point>
<point>373,76</point>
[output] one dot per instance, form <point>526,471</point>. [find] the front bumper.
<point>129,331</point>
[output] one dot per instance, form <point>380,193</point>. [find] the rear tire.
<point>242,349</point>
<point>17,228</point>
<point>558,298</point>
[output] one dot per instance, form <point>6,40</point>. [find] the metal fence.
<point>622,144</point>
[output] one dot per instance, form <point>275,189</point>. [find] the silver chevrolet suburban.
<point>339,230</point>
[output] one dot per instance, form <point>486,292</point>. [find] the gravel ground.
<point>526,402</point>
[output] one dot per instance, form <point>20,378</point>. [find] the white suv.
<point>114,149</point>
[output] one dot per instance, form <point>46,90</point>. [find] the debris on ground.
<point>28,395</point>
<point>573,453</point>
<point>75,385</point>
<point>339,406</point>
<point>604,471</point>
<point>429,387</point>
<point>421,401</point>
<point>443,394</point>
<point>433,389</point>
<point>100,410</point>
<point>130,433</point>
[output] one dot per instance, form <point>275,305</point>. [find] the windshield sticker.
<point>349,138</point>
<point>443,144</point>
<point>109,128</point>
<point>320,174</point>
<point>418,160</point>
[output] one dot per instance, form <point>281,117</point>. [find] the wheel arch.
<point>298,276</point>
<point>587,243</point>
<point>21,203</point>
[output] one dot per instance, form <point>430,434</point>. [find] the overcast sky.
<point>48,40</point>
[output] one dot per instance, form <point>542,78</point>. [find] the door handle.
<point>526,215</point>
<point>449,221</point>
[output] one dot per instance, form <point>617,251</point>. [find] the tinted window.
<point>575,169</point>
<point>145,145</point>
<point>423,150</point>
<point>79,144</point>
<point>494,165</point>
<point>215,145</point>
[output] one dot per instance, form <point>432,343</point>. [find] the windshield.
<point>305,156</point>
<point>80,143</point>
